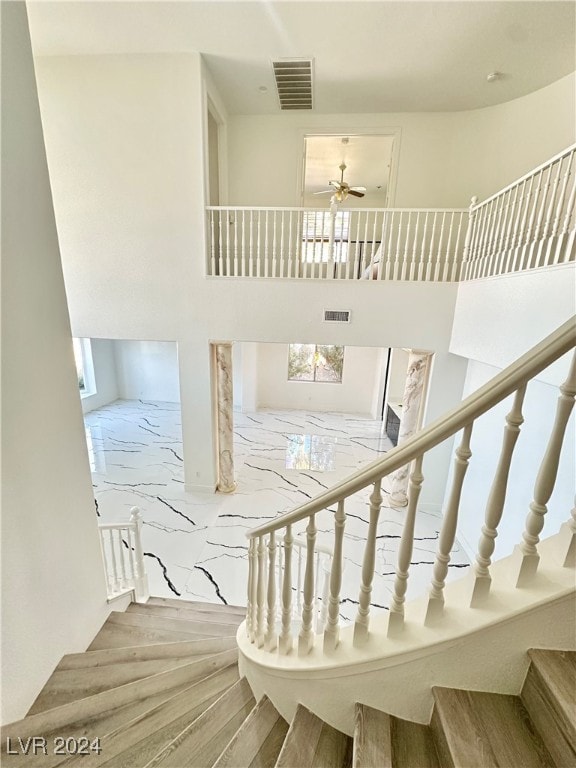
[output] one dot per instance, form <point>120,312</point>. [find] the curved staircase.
<point>159,686</point>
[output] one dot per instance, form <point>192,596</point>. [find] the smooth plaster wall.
<point>527,306</point>
<point>357,393</point>
<point>445,158</point>
<point>53,588</point>
<point>539,410</point>
<point>147,370</point>
<point>105,377</point>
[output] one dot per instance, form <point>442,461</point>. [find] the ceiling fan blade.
<point>355,193</point>
<point>324,192</point>
<point>359,189</point>
<point>335,184</point>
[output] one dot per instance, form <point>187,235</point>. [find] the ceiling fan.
<point>341,189</point>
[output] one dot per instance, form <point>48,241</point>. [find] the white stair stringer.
<point>480,648</point>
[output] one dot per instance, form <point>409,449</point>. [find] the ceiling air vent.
<point>336,315</point>
<point>294,83</point>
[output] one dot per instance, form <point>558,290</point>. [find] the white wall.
<point>357,393</point>
<point>445,158</point>
<point>539,412</point>
<point>147,370</point>
<point>53,592</point>
<point>498,319</point>
<point>105,379</point>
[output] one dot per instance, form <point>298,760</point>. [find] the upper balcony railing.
<point>528,224</point>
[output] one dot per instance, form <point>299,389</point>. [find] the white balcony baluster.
<point>306,636</point>
<point>361,625</point>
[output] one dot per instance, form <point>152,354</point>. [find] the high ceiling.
<point>374,56</point>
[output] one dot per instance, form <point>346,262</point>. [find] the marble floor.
<point>195,543</point>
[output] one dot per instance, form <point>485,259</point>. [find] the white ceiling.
<point>374,56</point>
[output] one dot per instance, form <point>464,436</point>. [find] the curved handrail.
<point>503,384</point>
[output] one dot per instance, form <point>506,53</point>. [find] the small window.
<point>315,362</point>
<point>84,366</point>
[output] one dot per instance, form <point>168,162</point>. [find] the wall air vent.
<point>294,83</point>
<point>336,315</point>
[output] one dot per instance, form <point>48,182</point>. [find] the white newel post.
<point>141,590</point>
<point>414,390</point>
<point>224,395</point>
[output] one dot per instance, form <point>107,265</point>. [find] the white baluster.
<point>270,638</point>
<point>236,271</point>
<point>131,557</point>
<point>325,593</point>
<point>306,636</point>
<point>466,253</point>
<point>250,601</point>
<point>251,246</point>
<point>436,265</point>
<point>109,585</point>
<point>396,613</point>
<point>220,244</point>
<point>282,226</point>
<point>115,579</point>
<point>428,275</point>
<point>392,257</point>
<point>556,230</point>
<point>274,245</point>
<point>361,625</point>
<point>123,580</point>
<point>317,601</point>
<point>495,504</point>
<point>259,244</point>
<point>285,639</point>
<point>568,541</point>
<point>260,593</point>
<point>243,244</point>
<point>141,591</point>
<point>524,263</point>
<point>410,263</point>
<point>534,249</point>
<point>526,554</point>
<point>549,223</point>
<point>422,261</point>
<point>448,532</point>
<point>212,245</point>
<point>444,272</point>
<point>457,269</point>
<point>266,246</point>
<point>332,631</point>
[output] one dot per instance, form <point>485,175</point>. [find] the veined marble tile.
<point>196,545</point>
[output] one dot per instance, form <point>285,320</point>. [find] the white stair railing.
<point>123,557</point>
<point>344,244</point>
<point>512,380</point>
<point>528,224</point>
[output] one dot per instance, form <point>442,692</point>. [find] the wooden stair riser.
<point>173,602</point>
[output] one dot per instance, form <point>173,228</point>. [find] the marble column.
<point>414,391</point>
<point>224,416</point>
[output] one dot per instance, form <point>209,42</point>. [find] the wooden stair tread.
<point>191,614</point>
<point>116,634</point>
<point>73,684</point>
<point>139,740</point>
<point>83,709</point>
<point>203,740</point>
<point>179,649</point>
<point>258,741</point>
<point>549,695</point>
<point>172,624</point>
<point>312,743</point>
<point>372,738</point>
<point>487,730</point>
<point>175,602</point>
